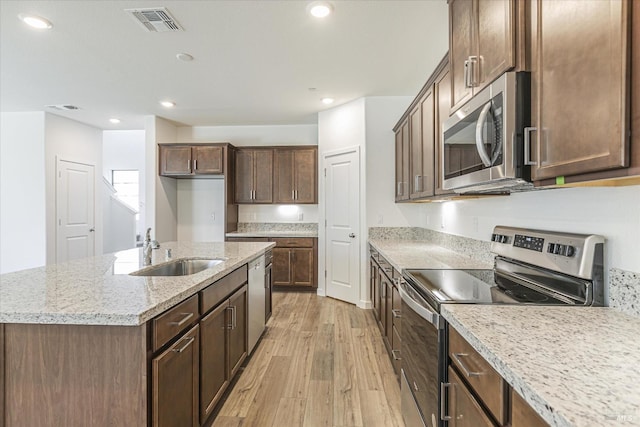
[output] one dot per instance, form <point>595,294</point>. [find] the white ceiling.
<point>254,60</point>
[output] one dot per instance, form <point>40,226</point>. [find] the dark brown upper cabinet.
<point>421,140</point>
<point>189,160</point>
<point>254,176</point>
<point>402,161</point>
<point>482,40</point>
<point>580,87</point>
<point>295,171</point>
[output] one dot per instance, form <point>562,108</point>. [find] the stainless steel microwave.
<point>483,146</point>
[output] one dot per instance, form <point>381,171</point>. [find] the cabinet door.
<point>443,106</point>
<point>402,162</point>
<point>375,289</point>
<point>388,315</point>
<point>523,415</point>
<point>464,409</point>
<point>268,307</point>
<point>175,383</point>
<point>415,148</point>
<point>302,262</point>
<point>282,267</point>
<point>283,173</point>
<point>580,86</point>
<point>496,39</point>
<point>238,332</point>
<point>175,160</point>
<point>214,373</point>
<point>427,131</point>
<point>305,175</point>
<point>263,176</point>
<point>461,47</point>
<point>207,160</point>
<point>244,176</point>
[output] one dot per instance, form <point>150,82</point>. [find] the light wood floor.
<point>321,362</point>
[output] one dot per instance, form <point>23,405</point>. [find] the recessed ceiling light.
<point>35,21</point>
<point>327,101</point>
<point>114,121</point>
<point>184,57</point>
<point>168,104</point>
<point>320,9</point>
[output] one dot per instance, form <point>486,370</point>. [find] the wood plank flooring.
<point>321,362</point>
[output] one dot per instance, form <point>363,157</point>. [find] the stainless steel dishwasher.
<point>256,300</point>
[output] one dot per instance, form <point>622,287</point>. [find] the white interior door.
<point>75,206</point>
<point>342,213</point>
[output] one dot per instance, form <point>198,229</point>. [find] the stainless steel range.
<point>531,267</point>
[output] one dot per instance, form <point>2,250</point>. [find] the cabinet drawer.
<point>220,289</point>
<point>481,377</point>
<point>464,409</point>
<point>293,242</point>
<point>173,321</point>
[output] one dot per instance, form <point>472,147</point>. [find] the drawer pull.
<point>396,313</point>
<point>184,347</point>
<point>394,355</point>
<point>443,392</point>
<point>187,316</point>
<point>467,372</point>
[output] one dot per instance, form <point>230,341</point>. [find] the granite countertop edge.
<point>163,299</point>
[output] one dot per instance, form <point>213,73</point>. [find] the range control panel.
<point>528,242</point>
<point>569,253</point>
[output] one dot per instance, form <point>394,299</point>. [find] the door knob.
<point>92,229</point>
<point>353,236</point>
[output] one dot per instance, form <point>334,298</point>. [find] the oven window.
<point>461,155</point>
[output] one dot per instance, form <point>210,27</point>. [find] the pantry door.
<point>75,206</point>
<point>342,214</point>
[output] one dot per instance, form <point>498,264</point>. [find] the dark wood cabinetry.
<point>402,161</point>
<point>254,176</point>
<point>294,262</point>
<point>295,171</point>
<point>482,42</point>
<point>214,375</point>
<point>580,87</point>
<point>188,160</point>
<point>175,383</point>
<point>523,415</point>
<point>386,304</point>
<point>442,93</point>
<point>421,141</point>
<point>464,409</point>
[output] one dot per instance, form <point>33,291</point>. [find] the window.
<point>126,183</point>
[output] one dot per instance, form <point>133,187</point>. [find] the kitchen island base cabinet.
<point>175,383</point>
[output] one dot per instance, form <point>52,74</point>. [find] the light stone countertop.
<point>409,254</point>
<point>274,233</point>
<point>100,291</point>
<point>576,366</point>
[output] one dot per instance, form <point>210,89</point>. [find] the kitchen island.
<point>86,343</point>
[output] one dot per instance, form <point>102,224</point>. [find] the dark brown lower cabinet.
<point>223,348</point>
<point>294,262</point>
<point>523,415</point>
<point>464,409</point>
<point>175,383</point>
<point>214,375</point>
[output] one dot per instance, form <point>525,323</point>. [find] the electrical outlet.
<point>213,216</point>
<point>300,216</point>
<point>442,222</point>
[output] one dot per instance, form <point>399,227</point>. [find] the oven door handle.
<point>419,307</point>
<point>479,140</point>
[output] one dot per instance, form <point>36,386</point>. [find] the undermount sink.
<point>179,267</point>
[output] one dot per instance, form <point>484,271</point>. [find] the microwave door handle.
<point>479,141</point>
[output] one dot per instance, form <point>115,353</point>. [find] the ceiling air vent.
<point>155,20</point>
<point>63,107</point>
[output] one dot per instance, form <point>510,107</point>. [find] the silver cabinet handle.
<point>443,391</point>
<point>234,317</point>
<point>482,152</point>
<point>394,354</point>
<point>527,146</point>
<point>293,195</point>
<point>186,317</point>
<point>466,74</point>
<point>399,191</point>
<point>415,183</point>
<point>195,164</point>
<point>296,194</point>
<point>467,372</point>
<point>396,313</point>
<point>184,347</point>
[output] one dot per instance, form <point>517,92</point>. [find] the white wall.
<point>613,212</point>
<point>382,113</point>
<point>161,192</point>
<point>22,191</point>
<point>201,210</point>
<point>125,150</point>
<point>251,135</point>
<point>76,142</point>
